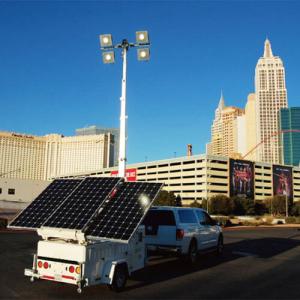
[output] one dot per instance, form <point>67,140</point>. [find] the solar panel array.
<point>101,207</point>
<point>76,211</point>
<point>38,211</point>
<point>122,213</point>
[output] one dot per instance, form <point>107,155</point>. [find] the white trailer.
<point>69,257</point>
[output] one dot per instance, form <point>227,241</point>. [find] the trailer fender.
<point>110,268</point>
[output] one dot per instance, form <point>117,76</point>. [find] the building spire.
<point>268,50</point>
<point>222,101</point>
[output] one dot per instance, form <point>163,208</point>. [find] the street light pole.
<point>143,54</point>
<point>123,117</point>
<point>286,206</point>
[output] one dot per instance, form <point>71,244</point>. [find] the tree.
<point>221,204</point>
<point>295,209</point>
<point>276,205</point>
<point>260,208</point>
<point>244,206</point>
<point>165,198</point>
<point>178,201</point>
<point>239,206</point>
<point>196,204</point>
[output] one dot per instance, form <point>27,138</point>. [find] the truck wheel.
<point>220,245</point>
<point>193,253</point>
<point>120,278</point>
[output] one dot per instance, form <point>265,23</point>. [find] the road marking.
<point>244,253</point>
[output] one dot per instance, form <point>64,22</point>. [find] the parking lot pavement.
<point>258,263</point>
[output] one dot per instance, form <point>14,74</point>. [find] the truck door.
<point>212,233</point>
<point>203,232</point>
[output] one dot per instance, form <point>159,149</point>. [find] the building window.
<point>11,191</point>
<point>0,190</point>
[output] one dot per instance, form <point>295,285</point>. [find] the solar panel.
<point>121,214</point>
<point>76,211</point>
<point>38,211</point>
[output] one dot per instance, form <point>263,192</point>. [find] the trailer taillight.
<point>40,264</point>
<point>71,269</point>
<point>46,265</point>
<point>78,270</point>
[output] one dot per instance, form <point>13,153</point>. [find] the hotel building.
<point>227,131</point>
<point>271,96</point>
<point>44,157</point>
<point>289,124</point>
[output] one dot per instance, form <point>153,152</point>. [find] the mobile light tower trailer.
<point>92,233</point>
<point>84,262</point>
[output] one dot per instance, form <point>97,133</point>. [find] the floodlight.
<point>105,40</point>
<point>142,37</point>
<point>108,57</point>
<point>143,54</point>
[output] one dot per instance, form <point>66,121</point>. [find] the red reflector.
<point>40,264</point>
<point>179,234</point>
<point>68,277</point>
<point>71,269</point>
<point>46,265</point>
<point>48,277</point>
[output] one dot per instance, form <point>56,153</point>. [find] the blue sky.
<point>52,79</point>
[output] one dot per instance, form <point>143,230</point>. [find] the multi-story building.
<point>22,156</point>
<point>203,176</point>
<point>289,125</point>
<point>215,146</point>
<point>271,96</point>
<point>225,130</point>
<point>93,130</point>
<point>40,158</point>
<point>250,124</point>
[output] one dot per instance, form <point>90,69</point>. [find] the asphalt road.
<point>258,263</point>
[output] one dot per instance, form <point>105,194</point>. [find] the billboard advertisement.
<point>241,178</point>
<point>283,181</point>
<point>130,174</point>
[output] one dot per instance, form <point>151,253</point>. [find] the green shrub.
<point>292,220</point>
<point>223,221</point>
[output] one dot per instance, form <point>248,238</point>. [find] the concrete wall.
<point>25,190</point>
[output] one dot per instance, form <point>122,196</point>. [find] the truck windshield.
<point>159,217</point>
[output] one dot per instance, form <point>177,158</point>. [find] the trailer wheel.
<point>120,278</point>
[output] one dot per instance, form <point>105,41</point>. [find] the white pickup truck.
<point>186,231</point>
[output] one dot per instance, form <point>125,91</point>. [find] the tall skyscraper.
<point>225,130</point>
<point>271,96</point>
<point>289,121</point>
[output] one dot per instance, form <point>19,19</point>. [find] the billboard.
<point>241,178</point>
<point>283,181</point>
<point>130,174</point>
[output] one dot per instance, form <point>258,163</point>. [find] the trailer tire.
<point>120,278</point>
